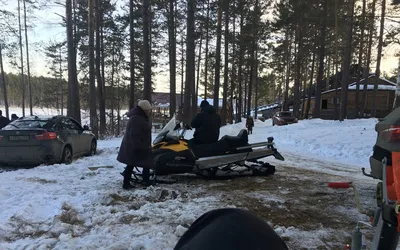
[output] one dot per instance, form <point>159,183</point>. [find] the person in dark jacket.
<point>135,150</point>
<point>4,121</point>
<point>230,229</point>
<point>249,124</point>
<point>14,117</point>
<point>207,124</point>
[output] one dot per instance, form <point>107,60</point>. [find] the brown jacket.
<point>249,123</point>
<point>135,147</point>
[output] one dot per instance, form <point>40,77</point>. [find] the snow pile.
<point>72,207</point>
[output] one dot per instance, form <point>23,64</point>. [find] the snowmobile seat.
<point>234,141</point>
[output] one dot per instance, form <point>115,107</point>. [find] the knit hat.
<point>204,103</point>
<point>145,105</point>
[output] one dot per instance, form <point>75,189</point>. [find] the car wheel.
<point>93,148</point>
<point>67,155</point>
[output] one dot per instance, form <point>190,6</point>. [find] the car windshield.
<point>26,124</point>
<point>286,114</point>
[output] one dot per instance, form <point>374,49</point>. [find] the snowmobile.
<point>230,156</point>
<point>385,167</point>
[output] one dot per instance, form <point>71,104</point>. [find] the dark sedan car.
<point>388,141</point>
<point>45,139</point>
<point>283,118</point>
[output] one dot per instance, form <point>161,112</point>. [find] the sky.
<point>47,28</point>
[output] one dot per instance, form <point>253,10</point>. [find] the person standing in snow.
<point>207,124</point>
<point>135,150</point>
<point>249,124</point>
<point>4,121</point>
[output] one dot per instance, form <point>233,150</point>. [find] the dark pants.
<point>232,229</point>
<point>128,174</point>
<point>250,130</point>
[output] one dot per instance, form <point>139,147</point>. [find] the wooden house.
<point>384,99</point>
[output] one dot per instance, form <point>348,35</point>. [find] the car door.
<point>85,137</point>
<point>73,135</point>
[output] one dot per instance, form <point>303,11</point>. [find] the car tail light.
<point>391,134</point>
<point>46,136</point>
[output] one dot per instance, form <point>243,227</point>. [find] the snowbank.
<point>349,142</point>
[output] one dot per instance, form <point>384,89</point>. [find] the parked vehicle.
<point>283,118</point>
<point>45,139</point>
<point>385,165</point>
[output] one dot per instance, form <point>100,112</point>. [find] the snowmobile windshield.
<point>168,130</point>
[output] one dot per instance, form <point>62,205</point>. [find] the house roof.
<point>160,99</point>
<point>390,85</point>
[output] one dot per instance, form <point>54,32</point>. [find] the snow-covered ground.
<point>72,207</point>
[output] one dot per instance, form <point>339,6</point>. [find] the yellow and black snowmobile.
<point>230,156</point>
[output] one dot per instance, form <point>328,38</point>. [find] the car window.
<point>26,124</point>
<point>69,125</point>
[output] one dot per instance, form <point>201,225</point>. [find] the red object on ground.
<point>339,184</point>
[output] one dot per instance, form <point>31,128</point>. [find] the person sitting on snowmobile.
<point>206,124</point>
<point>135,150</point>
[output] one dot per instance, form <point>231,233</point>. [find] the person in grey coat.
<point>135,150</point>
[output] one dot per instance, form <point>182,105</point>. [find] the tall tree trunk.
<point>226,44</point>
<point>336,84</point>
<point>240,66</point>
<point>218,56</point>
<point>194,101</point>
<point>233,77</point>
<point>100,90</point>
<point>317,106</point>
<point>367,64</point>
<point>207,42</point>
<point>190,62</point>
<point>346,63</point>
<point>22,59</point>
<point>73,102</point>
<point>61,84</point>
<point>256,85</point>
<point>182,73</point>
<point>253,71</point>
<point>288,40</point>
<point>172,58</point>
<point>92,84</point>
<point>307,111</point>
<point>297,80</point>
<point>132,56</point>
<point>360,58</point>
<point>245,93</point>
<point>147,53</point>
<point>4,85</point>
<point>378,59</point>
<point>27,62</point>
<point>112,89</point>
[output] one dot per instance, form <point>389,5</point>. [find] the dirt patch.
<point>69,215</point>
<point>39,180</point>
<point>287,199</point>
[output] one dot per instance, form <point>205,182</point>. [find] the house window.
<point>324,104</point>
